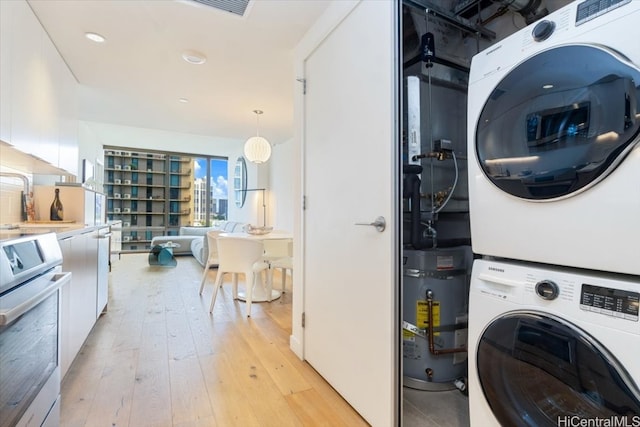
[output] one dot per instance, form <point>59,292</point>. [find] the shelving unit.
<point>150,193</point>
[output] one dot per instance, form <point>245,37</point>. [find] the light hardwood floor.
<point>157,358</point>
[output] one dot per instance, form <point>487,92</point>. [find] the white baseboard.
<point>296,346</point>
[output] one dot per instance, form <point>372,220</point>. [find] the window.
<point>209,190</point>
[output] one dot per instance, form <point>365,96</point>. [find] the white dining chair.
<point>238,255</point>
<point>212,259</point>
<point>279,254</point>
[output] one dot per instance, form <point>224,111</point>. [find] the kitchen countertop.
<point>63,230</point>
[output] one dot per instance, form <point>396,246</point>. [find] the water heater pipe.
<point>531,10</point>
<point>432,347</point>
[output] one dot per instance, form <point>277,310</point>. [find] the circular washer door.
<point>539,370</point>
<point>559,122</point>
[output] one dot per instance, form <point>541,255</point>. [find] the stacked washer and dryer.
<point>554,125</point>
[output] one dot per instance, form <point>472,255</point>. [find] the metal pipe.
<point>24,179</point>
<point>24,205</point>
<point>433,234</point>
<point>430,7</point>
<point>432,347</point>
<point>531,10</point>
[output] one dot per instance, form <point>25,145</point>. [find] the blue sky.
<point>218,181</point>
<point>218,168</point>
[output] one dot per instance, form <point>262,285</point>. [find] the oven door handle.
<point>57,281</point>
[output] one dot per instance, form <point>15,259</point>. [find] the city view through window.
<point>156,193</point>
<point>210,198</point>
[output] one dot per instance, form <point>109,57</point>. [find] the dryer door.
<point>539,370</point>
<point>559,122</point>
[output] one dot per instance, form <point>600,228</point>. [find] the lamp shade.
<point>257,149</point>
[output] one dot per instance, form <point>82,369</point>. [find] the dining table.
<point>260,288</point>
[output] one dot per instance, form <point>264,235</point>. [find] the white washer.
<point>553,132</point>
<point>552,345</point>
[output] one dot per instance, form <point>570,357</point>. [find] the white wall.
<point>282,179</point>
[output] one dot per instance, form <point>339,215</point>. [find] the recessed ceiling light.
<point>193,57</point>
<point>547,86</point>
<point>95,37</point>
<point>183,100</point>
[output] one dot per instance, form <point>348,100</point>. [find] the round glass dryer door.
<point>559,122</point>
<point>538,370</point>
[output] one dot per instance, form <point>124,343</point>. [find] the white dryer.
<point>553,140</point>
<point>552,347</point>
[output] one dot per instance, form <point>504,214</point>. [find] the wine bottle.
<point>57,212</point>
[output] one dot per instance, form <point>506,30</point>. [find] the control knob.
<point>546,289</point>
<point>543,30</point>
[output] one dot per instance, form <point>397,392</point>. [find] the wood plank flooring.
<point>157,358</point>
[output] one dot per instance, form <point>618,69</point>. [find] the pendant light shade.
<point>257,149</point>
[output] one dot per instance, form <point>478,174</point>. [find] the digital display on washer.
<point>611,302</point>
<point>591,9</point>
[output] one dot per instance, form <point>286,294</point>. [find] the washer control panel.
<point>610,302</point>
<point>606,300</point>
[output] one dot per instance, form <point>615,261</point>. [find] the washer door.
<point>559,122</point>
<point>536,369</point>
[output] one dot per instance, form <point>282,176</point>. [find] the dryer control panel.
<point>610,302</point>
<point>591,9</point>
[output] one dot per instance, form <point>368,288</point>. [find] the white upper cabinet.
<point>26,72</point>
<point>38,91</point>
<point>48,104</point>
<point>68,121</point>
<point>5,73</point>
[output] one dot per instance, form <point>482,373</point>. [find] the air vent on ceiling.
<point>239,7</point>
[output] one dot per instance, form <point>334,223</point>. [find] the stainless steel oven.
<point>30,281</point>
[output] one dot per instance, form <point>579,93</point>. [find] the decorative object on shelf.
<point>257,231</point>
<point>257,149</point>
<point>30,207</point>
<point>57,211</point>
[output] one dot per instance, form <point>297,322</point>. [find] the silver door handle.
<point>380,224</point>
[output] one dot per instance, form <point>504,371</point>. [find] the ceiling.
<point>137,77</point>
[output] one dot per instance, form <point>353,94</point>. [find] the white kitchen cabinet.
<point>68,141</point>
<point>102,270</point>
<point>26,76</point>
<point>49,100</point>
<point>38,91</point>
<point>6,37</point>
<point>79,298</point>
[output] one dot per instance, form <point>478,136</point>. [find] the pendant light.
<point>257,149</point>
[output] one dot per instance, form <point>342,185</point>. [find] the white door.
<point>350,152</point>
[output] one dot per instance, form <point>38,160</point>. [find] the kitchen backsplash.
<point>10,200</point>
